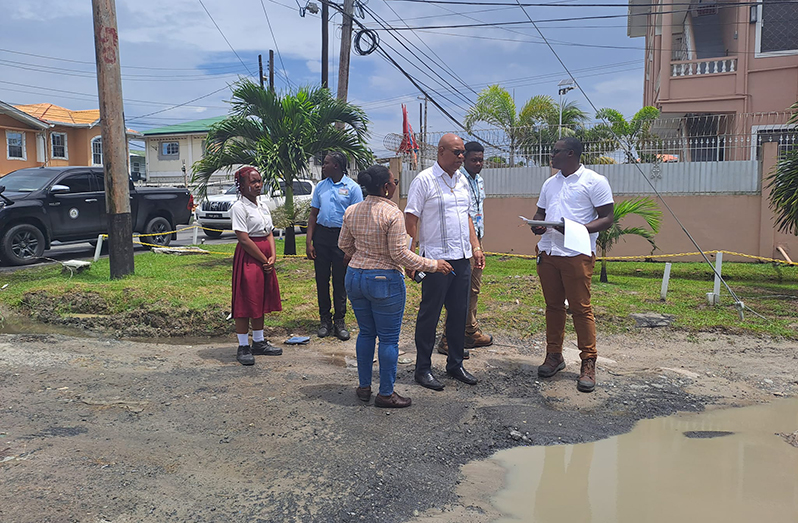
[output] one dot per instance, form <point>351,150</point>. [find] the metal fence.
<point>693,138</point>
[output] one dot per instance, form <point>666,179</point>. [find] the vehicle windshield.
<point>26,180</point>
<point>231,190</point>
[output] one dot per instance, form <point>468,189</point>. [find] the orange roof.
<point>54,114</point>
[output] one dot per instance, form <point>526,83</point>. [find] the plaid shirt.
<point>374,235</point>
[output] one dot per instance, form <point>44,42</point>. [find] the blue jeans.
<point>378,300</point>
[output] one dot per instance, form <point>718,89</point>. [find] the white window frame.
<point>24,147</point>
<point>52,147</point>
<point>165,144</point>
<point>97,139</point>
<point>758,49</point>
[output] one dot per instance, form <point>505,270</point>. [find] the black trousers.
<point>437,290</point>
<point>329,261</point>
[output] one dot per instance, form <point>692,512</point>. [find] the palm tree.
<point>644,207</point>
<point>783,185</point>
<point>633,134</point>
<point>540,117</point>
<point>279,133</point>
<point>528,129</point>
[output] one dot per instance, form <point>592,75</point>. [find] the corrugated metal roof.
<point>54,114</point>
<point>197,126</point>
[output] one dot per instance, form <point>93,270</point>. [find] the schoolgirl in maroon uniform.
<point>255,289</point>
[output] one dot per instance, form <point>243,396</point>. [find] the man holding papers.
<point>582,199</point>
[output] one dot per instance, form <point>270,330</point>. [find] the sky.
<point>179,58</point>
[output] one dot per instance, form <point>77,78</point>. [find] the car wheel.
<point>161,228</point>
<point>22,245</point>
<point>212,234</point>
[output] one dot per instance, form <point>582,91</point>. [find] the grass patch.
<point>510,302</point>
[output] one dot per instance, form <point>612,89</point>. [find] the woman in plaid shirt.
<point>374,240</point>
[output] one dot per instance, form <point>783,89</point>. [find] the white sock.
<point>257,335</point>
<point>243,339</point>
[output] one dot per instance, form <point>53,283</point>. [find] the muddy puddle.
<point>13,323</point>
<point>726,465</point>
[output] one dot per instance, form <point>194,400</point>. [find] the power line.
<point>93,96</point>
<point>581,5</point>
<point>440,60</point>
<point>423,62</point>
<point>59,59</point>
<point>277,47</point>
<point>178,105</point>
<point>225,38</point>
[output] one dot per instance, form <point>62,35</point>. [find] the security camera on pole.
<point>564,87</point>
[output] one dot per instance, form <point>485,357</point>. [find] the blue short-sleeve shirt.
<point>332,199</point>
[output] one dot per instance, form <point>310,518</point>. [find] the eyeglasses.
<point>458,152</point>
<point>555,152</point>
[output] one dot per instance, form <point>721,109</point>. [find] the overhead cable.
<point>225,38</point>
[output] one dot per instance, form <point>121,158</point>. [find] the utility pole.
<point>424,127</point>
<point>271,70</point>
<point>325,17</point>
<point>420,135</point>
<point>114,140</point>
<point>346,49</point>
<point>260,70</point>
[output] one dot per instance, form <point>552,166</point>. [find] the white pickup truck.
<point>213,213</point>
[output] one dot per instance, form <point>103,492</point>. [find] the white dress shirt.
<point>442,204</point>
<point>575,197</point>
<point>255,220</point>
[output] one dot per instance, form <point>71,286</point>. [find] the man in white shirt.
<point>437,217</point>
<point>472,166</point>
<point>583,196</point>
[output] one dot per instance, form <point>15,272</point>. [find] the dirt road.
<point>103,430</point>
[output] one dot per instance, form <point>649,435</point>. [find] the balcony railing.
<point>703,67</point>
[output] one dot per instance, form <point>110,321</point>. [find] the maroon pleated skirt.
<point>255,293</point>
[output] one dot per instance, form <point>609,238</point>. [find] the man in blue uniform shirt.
<point>330,199</point>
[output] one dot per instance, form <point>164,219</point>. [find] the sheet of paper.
<point>540,223</point>
<point>577,238</point>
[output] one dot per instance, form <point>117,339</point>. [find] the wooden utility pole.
<point>271,70</point>
<point>346,49</point>
<point>325,17</point>
<point>114,140</point>
<point>260,70</point>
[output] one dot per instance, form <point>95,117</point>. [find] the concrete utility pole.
<point>271,70</point>
<point>114,140</point>
<point>346,49</point>
<point>325,18</point>
<point>423,131</point>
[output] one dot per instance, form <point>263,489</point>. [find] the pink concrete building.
<point>728,57</point>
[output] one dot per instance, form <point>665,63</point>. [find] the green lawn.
<point>510,302</point>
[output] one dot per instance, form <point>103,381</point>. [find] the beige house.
<point>171,151</point>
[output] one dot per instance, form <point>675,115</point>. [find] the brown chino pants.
<point>568,277</point>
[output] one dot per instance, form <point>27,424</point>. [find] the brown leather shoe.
<point>478,339</point>
<point>394,401</point>
<point>363,393</point>
<point>587,378</point>
<point>553,364</point>
<point>443,348</point>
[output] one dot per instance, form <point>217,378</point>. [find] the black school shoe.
<point>264,348</point>
<point>245,356</point>
<point>341,331</point>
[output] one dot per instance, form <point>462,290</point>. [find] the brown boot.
<point>587,378</point>
<point>478,339</point>
<point>443,348</point>
<point>553,364</point>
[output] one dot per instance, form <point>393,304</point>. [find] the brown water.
<point>657,474</point>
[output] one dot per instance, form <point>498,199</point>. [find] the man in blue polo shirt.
<point>330,199</point>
